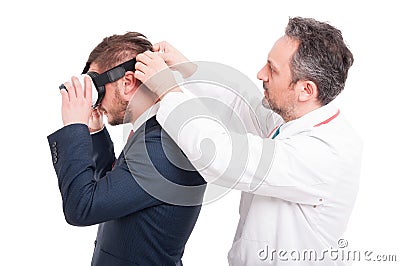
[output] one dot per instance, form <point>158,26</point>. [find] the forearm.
<point>103,153</point>
<point>186,69</point>
<point>241,161</point>
<point>88,201</point>
<point>75,170</point>
<point>223,156</point>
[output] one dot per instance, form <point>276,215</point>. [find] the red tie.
<point>130,134</point>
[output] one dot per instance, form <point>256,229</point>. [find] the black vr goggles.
<point>100,80</point>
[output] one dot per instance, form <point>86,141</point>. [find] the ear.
<point>308,90</point>
<point>130,83</point>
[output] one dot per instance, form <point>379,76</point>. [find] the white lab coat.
<point>298,190</point>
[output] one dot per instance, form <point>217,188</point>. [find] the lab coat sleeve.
<point>234,109</point>
<point>237,160</point>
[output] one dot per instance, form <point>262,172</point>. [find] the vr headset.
<point>100,80</point>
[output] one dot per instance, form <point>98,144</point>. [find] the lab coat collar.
<point>315,118</point>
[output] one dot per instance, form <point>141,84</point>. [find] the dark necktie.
<point>276,132</point>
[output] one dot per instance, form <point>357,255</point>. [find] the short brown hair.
<point>116,49</point>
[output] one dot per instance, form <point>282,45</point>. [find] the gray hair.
<point>322,56</point>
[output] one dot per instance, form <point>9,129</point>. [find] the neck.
<point>141,101</point>
<point>302,110</point>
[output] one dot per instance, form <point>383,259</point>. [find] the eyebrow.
<point>272,64</point>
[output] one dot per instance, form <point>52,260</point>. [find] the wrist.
<point>67,123</point>
<point>95,130</point>
<point>175,89</point>
<point>187,69</point>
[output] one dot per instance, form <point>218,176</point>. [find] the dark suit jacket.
<point>146,202</point>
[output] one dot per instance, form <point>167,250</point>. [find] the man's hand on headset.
<point>76,102</point>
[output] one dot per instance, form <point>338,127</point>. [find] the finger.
<point>88,87</point>
<point>77,86</point>
<point>141,67</point>
<point>62,87</point>
<point>165,56</point>
<point>163,52</point>
<point>163,47</point>
<point>70,89</point>
<point>143,58</point>
<point>140,76</point>
<point>96,113</point>
<point>158,57</point>
<point>156,47</point>
<point>64,98</point>
<point>150,54</point>
<point>101,113</point>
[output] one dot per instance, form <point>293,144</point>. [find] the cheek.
<point>279,95</point>
<point>274,87</point>
<point>279,86</point>
<point>108,98</point>
<point>104,102</point>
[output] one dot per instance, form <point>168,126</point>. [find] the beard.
<point>117,114</point>
<point>285,110</point>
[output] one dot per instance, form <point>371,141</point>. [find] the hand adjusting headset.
<point>100,80</point>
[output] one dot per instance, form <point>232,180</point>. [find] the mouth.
<point>265,89</point>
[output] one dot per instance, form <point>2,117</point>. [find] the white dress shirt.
<point>298,189</point>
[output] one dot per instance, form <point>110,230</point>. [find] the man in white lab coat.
<point>300,183</point>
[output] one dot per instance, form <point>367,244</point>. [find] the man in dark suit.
<point>147,201</point>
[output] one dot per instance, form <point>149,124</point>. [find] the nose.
<point>262,74</point>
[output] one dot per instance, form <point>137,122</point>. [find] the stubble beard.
<point>118,114</point>
<point>287,111</point>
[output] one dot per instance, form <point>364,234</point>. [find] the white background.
<point>44,43</point>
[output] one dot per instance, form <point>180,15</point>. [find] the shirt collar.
<point>149,113</point>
